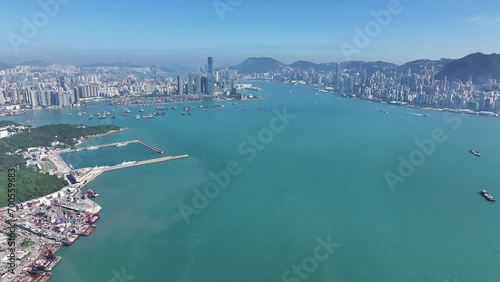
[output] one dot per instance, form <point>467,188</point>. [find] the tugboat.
<point>475,153</point>
<point>487,196</point>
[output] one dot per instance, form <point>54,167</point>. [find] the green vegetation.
<point>27,243</point>
<point>45,135</point>
<point>4,123</point>
<point>29,183</point>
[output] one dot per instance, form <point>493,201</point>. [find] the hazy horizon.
<point>185,33</point>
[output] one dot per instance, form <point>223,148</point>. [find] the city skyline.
<point>232,31</point>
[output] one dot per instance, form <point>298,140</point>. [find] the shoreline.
<point>393,103</point>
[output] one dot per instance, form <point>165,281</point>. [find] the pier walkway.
<point>92,173</point>
<point>151,147</point>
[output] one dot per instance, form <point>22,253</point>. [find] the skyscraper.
<point>180,85</point>
<point>338,79</point>
<point>210,78</point>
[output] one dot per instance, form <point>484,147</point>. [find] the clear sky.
<point>187,31</point>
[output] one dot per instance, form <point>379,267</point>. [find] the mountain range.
<point>477,66</point>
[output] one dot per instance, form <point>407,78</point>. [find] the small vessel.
<point>475,153</point>
<point>113,117</point>
<point>173,108</point>
<point>91,117</point>
<point>189,113</point>
<point>162,113</point>
<point>141,110</point>
<point>89,230</point>
<point>183,113</point>
<point>70,114</point>
<point>384,112</point>
<point>137,117</point>
<point>426,115</point>
<point>487,195</point>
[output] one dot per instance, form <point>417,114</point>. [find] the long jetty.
<point>151,147</point>
<point>156,149</point>
<point>146,162</point>
<point>94,172</point>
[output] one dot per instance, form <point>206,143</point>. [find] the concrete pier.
<point>92,173</point>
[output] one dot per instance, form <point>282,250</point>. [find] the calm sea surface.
<point>321,175</point>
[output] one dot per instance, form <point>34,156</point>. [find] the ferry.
<point>475,153</point>
<point>487,195</point>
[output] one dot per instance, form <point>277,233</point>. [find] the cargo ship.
<point>53,263</point>
<point>487,195</point>
<point>69,240</point>
<point>92,218</point>
<point>88,230</point>
<point>91,194</point>
<point>37,276</point>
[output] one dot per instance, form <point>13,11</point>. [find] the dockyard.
<point>59,219</point>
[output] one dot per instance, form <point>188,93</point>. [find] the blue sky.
<point>187,31</point>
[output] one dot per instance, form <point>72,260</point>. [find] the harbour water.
<point>322,175</point>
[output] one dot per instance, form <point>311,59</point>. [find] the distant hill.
<point>5,66</point>
<point>36,63</point>
<point>478,66</point>
<point>420,65</point>
<point>304,65</point>
<point>116,64</point>
<point>370,67</point>
<point>259,65</point>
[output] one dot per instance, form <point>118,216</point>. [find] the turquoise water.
<point>323,175</point>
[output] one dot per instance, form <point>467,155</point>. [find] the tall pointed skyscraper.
<point>210,76</point>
